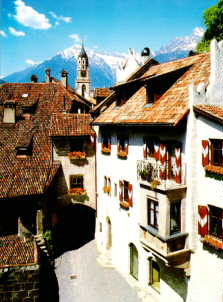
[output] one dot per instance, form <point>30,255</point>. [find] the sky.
<point>32,31</point>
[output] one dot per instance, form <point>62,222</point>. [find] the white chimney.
<point>48,71</point>
<point>64,78</point>
<point>9,112</point>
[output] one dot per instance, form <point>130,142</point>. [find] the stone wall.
<point>20,284</point>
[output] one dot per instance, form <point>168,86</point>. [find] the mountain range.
<point>104,67</point>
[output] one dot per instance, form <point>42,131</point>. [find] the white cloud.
<point>61,18</point>
<point>75,37</point>
<point>3,34</point>
<point>29,17</point>
<point>16,33</point>
<point>31,62</point>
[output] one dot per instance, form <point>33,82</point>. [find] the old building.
<point>47,164</point>
<point>147,184</point>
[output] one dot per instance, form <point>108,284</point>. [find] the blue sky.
<point>32,31</point>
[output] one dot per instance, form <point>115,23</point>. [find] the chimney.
<point>34,78</point>
<point>64,78</point>
<point>9,112</point>
<point>48,71</point>
<point>145,54</point>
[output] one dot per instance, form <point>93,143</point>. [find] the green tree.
<point>213,19</point>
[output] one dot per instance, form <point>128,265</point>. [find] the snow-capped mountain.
<point>105,68</point>
<point>179,47</point>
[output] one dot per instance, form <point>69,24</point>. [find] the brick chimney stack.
<point>48,71</point>
<point>64,78</point>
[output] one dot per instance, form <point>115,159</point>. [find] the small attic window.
<point>25,95</point>
<point>23,152</point>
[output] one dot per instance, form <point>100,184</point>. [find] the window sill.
<point>124,204</point>
<point>213,242</point>
<point>214,169</point>
<point>155,232</point>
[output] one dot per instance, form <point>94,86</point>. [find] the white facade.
<point>189,270</point>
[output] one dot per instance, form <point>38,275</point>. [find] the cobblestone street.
<point>82,279</point>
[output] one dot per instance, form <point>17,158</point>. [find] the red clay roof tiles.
<point>32,174</point>
<point>211,111</point>
<point>171,107</point>
<point>70,124</point>
<point>16,251</point>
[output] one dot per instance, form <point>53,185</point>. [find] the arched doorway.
<point>133,261</point>
<point>108,234</point>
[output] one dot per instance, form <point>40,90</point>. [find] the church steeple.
<point>83,75</point>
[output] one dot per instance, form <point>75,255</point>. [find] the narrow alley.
<point>81,278</point>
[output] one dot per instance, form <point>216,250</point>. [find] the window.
<point>154,276</point>
<point>217,152</point>
<point>125,194</point>
<point>107,185</point>
<point>76,181</point>
<point>106,144</point>
<point>116,190</point>
<point>76,145</point>
<point>175,217</point>
<point>133,261</point>
<point>23,152</point>
<point>153,211</point>
<point>126,191</point>
<point>215,222</point>
<point>83,90</point>
<point>83,73</point>
<point>123,143</point>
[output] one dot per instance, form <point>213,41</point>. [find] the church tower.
<point>83,75</point>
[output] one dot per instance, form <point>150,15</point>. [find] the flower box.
<point>77,155</point>
<point>213,241</point>
<point>122,154</point>
<point>124,204</point>
<point>107,190</point>
<point>77,191</point>
<point>155,183</point>
<point>105,150</point>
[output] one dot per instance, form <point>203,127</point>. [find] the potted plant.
<point>155,183</point>
<point>106,150</point>
<point>107,190</point>
<point>77,155</point>
<point>143,174</point>
<point>78,194</point>
<point>122,154</point>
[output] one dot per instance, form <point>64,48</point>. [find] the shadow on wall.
<point>75,228</point>
<point>49,288</point>
<point>176,279</point>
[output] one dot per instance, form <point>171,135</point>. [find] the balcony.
<point>172,249</point>
<point>165,176</point>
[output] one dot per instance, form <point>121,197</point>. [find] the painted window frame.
<point>77,185</point>
<point>153,213</point>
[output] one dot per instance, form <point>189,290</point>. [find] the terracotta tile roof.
<point>171,107</point>
<point>15,251</point>
<point>214,112</point>
<point>33,174</point>
<point>70,124</point>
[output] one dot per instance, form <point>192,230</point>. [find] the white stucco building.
<point>152,187</point>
